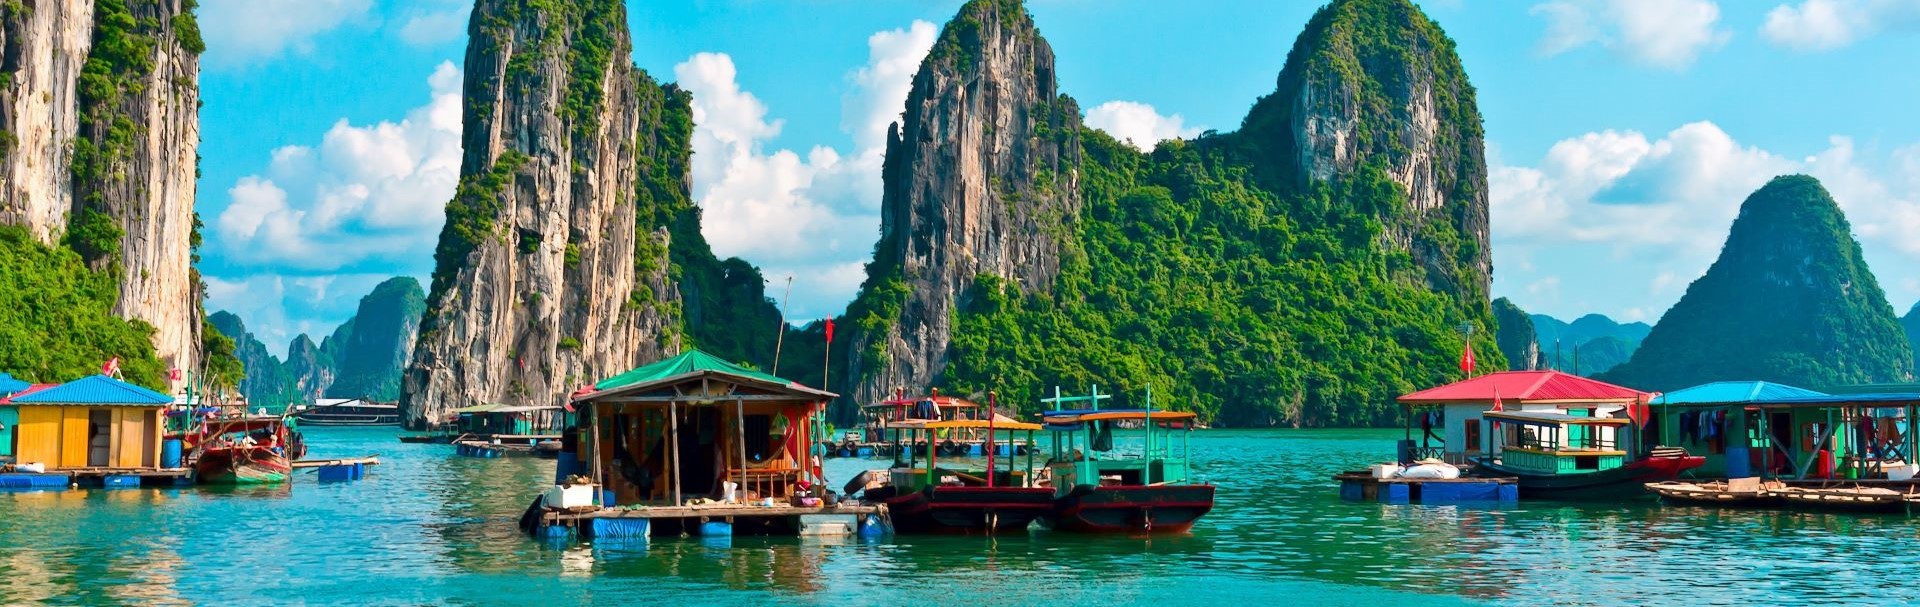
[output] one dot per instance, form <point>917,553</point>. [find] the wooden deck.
<point>97,472</point>
<point>715,511</point>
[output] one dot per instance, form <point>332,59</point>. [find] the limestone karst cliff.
<point>1302,270</point>
<point>98,135</point>
<point>544,277</point>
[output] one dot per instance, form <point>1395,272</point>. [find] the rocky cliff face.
<point>980,178</point>
<point>266,382</point>
<point>370,350</point>
<point>1790,264</point>
<point>1516,336</point>
<point>100,126</point>
<point>1374,85</point>
<point>310,370</point>
<point>543,281</point>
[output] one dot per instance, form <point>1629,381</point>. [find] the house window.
<point>1473,436</point>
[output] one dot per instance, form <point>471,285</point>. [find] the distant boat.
<point>348,412</point>
<point>246,449</point>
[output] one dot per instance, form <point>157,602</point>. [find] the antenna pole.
<point>780,333</point>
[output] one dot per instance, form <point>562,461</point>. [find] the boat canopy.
<point>1545,387</point>
<point>1072,419</point>
<point>971,424</point>
<point>1843,400</point>
<point>1547,418</point>
<point>942,401</point>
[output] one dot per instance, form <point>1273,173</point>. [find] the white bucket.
<point>731,488</point>
<point>1900,473</point>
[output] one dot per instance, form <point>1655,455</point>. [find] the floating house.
<point>1765,429</point>
<point>1453,427</point>
<point>97,423</point>
<point>9,413</point>
<point>668,442</point>
<point>513,421</point>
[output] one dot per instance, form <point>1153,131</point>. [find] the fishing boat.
<point>348,412</point>
<point>1856,498</point>
<point>1560,456</point>
<point>246,449</point>
<point>1749,491</point>
<point>1101,489</point>
<point>954,498</point>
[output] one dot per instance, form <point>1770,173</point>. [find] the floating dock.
<point>716,520</point>
<point>341,469</point>
<point>1365,487</point>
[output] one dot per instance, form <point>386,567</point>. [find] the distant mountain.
<point>1790,300</point>
<point>1577,348</point>
<point>360,359</point>
<point>370,349</point>
<point>1911,323</point>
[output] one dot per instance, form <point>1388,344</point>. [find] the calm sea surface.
<point>427,527</point>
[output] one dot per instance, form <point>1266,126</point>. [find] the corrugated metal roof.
<point>30,390</point>
<point>1733,392</point>
<point>687,365</point>
<point>9,385</point>
<point>96,390</point>
<point>1517,386</point>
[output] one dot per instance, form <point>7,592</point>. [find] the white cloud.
<point>1668,34</point>
<point>1138,124</point>
<point>813,216</point>
<point>240,32</point>
<point>364,194</point>
<point>1818,25</point>
<point>1662,207</point>
<point>432,27</point>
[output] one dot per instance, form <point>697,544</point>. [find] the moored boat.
<point>1852,499</point>
<point>1560,456</point>
<point>246,449</point>
<point>931,498</point>
<point>1100,489</point>
<point>348,412</point>
<point>1750,491</point>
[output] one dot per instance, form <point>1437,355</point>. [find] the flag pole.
<point>780,334</point>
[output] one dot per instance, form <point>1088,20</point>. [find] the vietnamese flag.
<point>1466,359</point>
<point>829,329</point>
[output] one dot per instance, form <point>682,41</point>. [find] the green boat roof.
<point>691,361</point>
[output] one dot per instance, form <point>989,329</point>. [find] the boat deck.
<point>1365,487</point>
<point>715,520</point>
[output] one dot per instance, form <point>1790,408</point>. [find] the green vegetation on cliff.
<point>1824,322</point>
<point>368,352</point>
<point>56,317</point>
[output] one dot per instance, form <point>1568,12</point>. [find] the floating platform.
<point>1364,487</point>
<point>95,477</point>
<point>341,469</point>
<point>716,520</point>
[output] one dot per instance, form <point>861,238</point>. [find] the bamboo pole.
<point>740,424</point>
<point>599,484</point>
<point>673,447</point>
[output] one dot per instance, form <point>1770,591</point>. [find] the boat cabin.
<point>1545,442</point>
<point>914,471</point>
<point>1452,423</point>
<point>93,422</point>
<point>689,426</point>
<point>1085,450</point>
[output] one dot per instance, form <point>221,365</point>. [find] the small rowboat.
<point>1731,492</point>
<point>1857,499</point>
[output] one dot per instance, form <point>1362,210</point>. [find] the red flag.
<point>829,329</point>
<point>1496,399</point>
<point>173,375</point>
<point>112,366</point>
<point>1466,359</point>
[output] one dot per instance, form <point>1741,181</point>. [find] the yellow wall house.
<point>95,422</point>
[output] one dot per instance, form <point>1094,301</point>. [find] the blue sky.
<point>1622,134</point>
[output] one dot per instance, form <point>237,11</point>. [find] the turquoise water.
<point>430,528</point>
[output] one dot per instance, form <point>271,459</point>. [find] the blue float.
<point>619,527</point>
<point>29,480</point>
<point>119,481</point>
<point>170,453</point>
<point>716,529</point>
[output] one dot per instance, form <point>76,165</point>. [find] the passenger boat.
<point>1560,456</point>
<point>1750,491</point>
<point>246,449</point>
<point>1099,489</point>
<point>348,412</point>
<point>953,498</point>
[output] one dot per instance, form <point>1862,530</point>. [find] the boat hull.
<point>241,467</point>
<point>1131,509</point>
<point>1626,482</point>
<point>969,510</point>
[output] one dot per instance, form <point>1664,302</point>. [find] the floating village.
<point>693,445</point>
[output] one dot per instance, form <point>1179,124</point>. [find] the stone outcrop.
<point>1376,85</point>
<point>310,370</point>
<point>979,179</point>
<point>544,278</point>
<point>99,127</point>
<point>370,350</point>
<point>1516,336</point>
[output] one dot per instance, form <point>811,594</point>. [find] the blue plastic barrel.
<point>1738,464</point>
<point>170,453</point>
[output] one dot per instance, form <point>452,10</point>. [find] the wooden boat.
<point>1559,456</point>
<point>1749,492</point>
<point>931,498</point>
<point>348,412</point>
<point>246,449</point>
<point>1853,499</point>
<point>1098,490</point>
